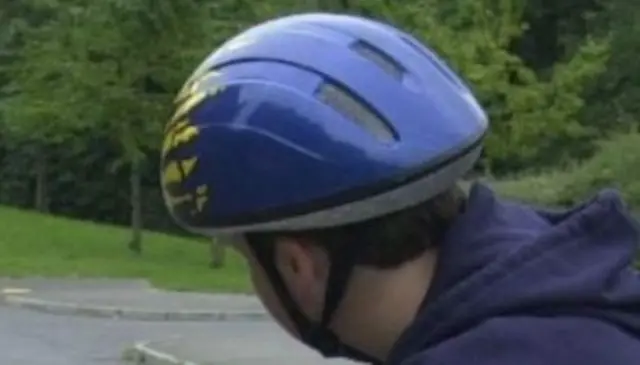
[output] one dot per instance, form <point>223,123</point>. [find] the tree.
<point>612,99</point>
<point>115,66</point>
<point>533,116</point>
<point>131,62</point>
<point>106,74</point>
<point>32,115</point>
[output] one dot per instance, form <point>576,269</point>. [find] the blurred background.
<point>87,86</point>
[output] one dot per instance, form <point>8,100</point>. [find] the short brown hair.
<point>391,240</point>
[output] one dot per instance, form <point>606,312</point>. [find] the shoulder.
<point>534,341</point>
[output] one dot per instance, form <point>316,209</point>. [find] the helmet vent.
<point>381,59</point>
<point>434,60</point>
<point>355,110</point>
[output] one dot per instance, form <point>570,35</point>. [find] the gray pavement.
<point>125,299</point>
<point>264,344</point>
<point>34,338</point>
<point>54,284</point>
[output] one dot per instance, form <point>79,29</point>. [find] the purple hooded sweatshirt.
<point>521,286</point>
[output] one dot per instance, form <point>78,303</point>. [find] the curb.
<point>142,354</point>
<point>53,307</point>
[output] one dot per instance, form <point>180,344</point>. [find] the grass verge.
<point>33,244</point>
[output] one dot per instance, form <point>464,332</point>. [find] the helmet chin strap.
<point>315,334</point>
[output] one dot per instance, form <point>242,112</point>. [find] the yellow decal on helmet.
<point>194,91</point>
<point>177,171</point>
<point>181,132</point>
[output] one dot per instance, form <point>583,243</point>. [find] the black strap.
<point>315,335</point>
<point>342,264</point>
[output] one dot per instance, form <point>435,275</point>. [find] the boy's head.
<point>330,146</point>
<point>392,260</point>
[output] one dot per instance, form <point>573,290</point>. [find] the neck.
<point>381,304</point>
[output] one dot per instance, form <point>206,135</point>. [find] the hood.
<point>504,258</point>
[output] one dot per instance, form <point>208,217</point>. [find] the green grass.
<point>41,245</point>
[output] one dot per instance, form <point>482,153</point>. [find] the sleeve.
<point>535,341</point>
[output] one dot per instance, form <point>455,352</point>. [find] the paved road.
<point>32,338</point>
<point>40,334</point>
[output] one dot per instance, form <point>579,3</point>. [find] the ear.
<point>304,268</point>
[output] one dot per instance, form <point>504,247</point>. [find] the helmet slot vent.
<point>380,58</point>
<point>345,103</point>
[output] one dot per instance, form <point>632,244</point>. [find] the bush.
<point>543,189</point>
<point>615,165</point>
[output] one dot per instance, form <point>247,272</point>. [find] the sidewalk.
<point>259,348</point>
<point>126,299</point>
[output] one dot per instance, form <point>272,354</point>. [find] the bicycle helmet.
<point>315,120</point>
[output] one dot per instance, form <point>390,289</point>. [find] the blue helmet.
<point>312,121</point>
